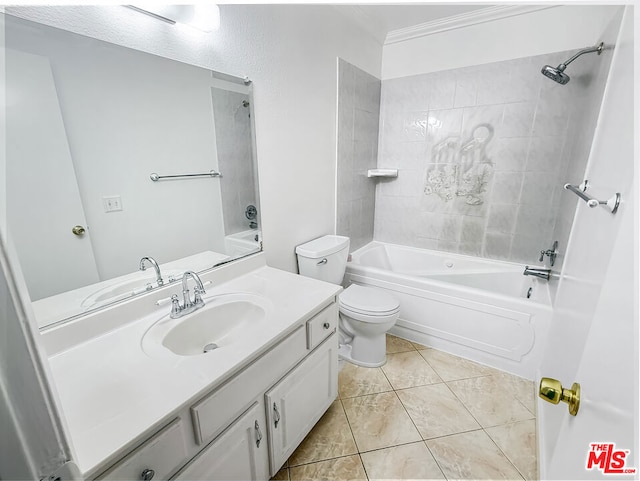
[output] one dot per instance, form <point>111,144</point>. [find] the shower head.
<point>557,73</point>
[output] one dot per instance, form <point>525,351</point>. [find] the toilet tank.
<point>324,258</point>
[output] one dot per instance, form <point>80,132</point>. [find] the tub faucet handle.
<point>552,253</point>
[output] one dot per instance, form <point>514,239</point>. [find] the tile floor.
<point>425,414</point>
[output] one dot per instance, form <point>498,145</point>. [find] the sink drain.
<point>210,347</point>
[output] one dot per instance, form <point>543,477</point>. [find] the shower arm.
<point>597,48</point>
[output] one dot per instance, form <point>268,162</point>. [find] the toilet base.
<point>344,353</point>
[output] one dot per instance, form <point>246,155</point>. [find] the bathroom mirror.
<point>104,154</point>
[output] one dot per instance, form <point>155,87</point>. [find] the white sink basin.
<point>224,321</point>
<point>125,288</point>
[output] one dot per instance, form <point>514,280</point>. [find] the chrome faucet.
<point>537,272</point>
<point>155,265</point>
<point>187,306</point>
<point>552,253</point>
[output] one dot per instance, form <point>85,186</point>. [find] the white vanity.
<point>136,409</point>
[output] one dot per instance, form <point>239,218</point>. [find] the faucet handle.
<point>542,254</point>
<point>175,306</point>
<point>197,296</point>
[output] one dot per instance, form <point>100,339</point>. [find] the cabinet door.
<point>297,402</point>
<point>239,453</point>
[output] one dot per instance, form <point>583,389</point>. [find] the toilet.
<point>366,313</point>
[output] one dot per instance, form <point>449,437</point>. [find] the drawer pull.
<point>258,435</point>
<point>326,325</point>
<point>147,475</point>
<point>276,416</point>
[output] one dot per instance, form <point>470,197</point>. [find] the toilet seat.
<point>369,318</point>
<point>367,304</point>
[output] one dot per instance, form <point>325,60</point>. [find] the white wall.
<point>550,30</point>
<point>290,54</point>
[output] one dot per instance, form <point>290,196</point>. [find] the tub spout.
<point>537,272</point>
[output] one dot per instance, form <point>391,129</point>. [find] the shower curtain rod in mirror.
<point>212,173</point>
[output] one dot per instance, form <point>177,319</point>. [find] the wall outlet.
<point>112,203</point>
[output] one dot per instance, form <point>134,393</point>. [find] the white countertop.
<point>111,391</point>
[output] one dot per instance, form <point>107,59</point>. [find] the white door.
<point>43,200</point>
<point>593,340</point>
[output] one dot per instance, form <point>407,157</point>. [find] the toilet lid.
<point>368,300</point>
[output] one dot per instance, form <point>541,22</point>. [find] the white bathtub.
<point>471,307</point>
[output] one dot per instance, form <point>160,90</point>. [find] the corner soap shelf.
<point>388,173</point>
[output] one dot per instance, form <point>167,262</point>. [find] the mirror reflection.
<point>88,123</point>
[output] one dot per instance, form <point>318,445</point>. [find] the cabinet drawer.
<point>163,453</point>
<point>321,326</point>
<point>212,414</point>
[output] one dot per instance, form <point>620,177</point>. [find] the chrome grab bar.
<point>579,190</point>
<point>212,173</point>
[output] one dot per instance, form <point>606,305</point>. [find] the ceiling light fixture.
<point>203,17</point>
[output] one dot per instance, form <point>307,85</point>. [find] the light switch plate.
<point>112,203</point>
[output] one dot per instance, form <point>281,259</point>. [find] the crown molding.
<point>474,17</point>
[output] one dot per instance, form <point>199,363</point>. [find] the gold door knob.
<point>78,230</point>
<point>551,390</point>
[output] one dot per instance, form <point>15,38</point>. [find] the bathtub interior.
<point>498,277</point>
<point>414,261</point>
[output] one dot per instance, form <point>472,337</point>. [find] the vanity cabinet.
<point>299,400</point>
<point>247,427</point>
<point>239,453</point>
<point>155,459</point>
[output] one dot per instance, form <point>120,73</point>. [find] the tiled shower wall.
<point>483,153</point>
<point>235,160</point>
<point>358,114</point>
